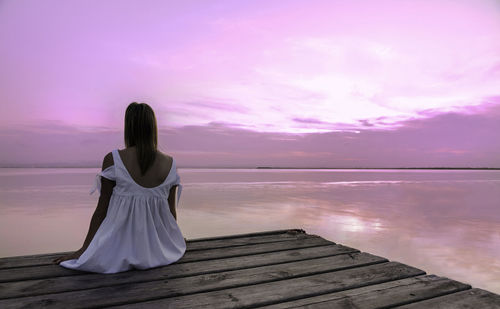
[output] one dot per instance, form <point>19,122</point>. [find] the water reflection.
<point>444,222</point>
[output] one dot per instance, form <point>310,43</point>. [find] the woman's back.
<point>155,174</point>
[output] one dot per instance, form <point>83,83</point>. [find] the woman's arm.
<point>172,201</point>
<point>103,203</point>
<point>172,195</point>
<point>99,213</point>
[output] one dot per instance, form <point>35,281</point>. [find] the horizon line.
<point>271,167</point>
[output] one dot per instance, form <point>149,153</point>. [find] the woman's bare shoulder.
<point>107,161</point>
<point>165,162</point>
<point>164,157</point>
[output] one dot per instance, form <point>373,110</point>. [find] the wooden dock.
<point>275,269</point>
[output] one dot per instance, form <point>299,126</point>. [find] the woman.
<point>135,222</point>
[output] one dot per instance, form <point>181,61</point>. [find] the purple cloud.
<point>451,139</point>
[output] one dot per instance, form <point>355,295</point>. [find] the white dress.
<point>139,230</point>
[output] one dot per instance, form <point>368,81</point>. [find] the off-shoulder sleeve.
<point>108,173</point>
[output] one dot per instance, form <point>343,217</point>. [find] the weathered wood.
<point>39,260</point>
<point>194,244</point>
<point>286,290</point>
<point>248,278</point>
<point>36,272</point>
<point>311,241</point>
<point>45,271</point>
<point>29,260</point>
<point>473,298</point>
<point>91,280</point>
<point>242,241</point>
<point>274,269</point>
<point>383,295</point>
<point>254,234</point>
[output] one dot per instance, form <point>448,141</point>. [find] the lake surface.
<point>444,222</point>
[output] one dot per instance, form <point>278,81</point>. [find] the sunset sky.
<point>248,83</point>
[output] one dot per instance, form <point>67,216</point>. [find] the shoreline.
<point>286,168</point>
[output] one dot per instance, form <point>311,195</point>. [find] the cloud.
<point>217,106</point>
<point>449,139</point>
<point>262,66</point>
<point>309,120</point>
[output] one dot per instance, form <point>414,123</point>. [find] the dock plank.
<point>383,295</point>
<point>311,241</point>
<point>126,293</point>
<point>473,298</point>
<point>191,245</point>
<point>286,290</point>
<point>252,234</point>
<point>56,284</point>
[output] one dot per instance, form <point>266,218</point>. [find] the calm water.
<point>444,222</point>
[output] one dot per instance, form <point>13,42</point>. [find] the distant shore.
<point>288,168</point>
<point>381,168</point>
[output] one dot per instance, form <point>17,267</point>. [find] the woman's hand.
<point>74,255</point>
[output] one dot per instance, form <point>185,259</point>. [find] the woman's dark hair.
<point>141,132</point>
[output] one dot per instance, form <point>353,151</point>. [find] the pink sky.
<point>245,83</point>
